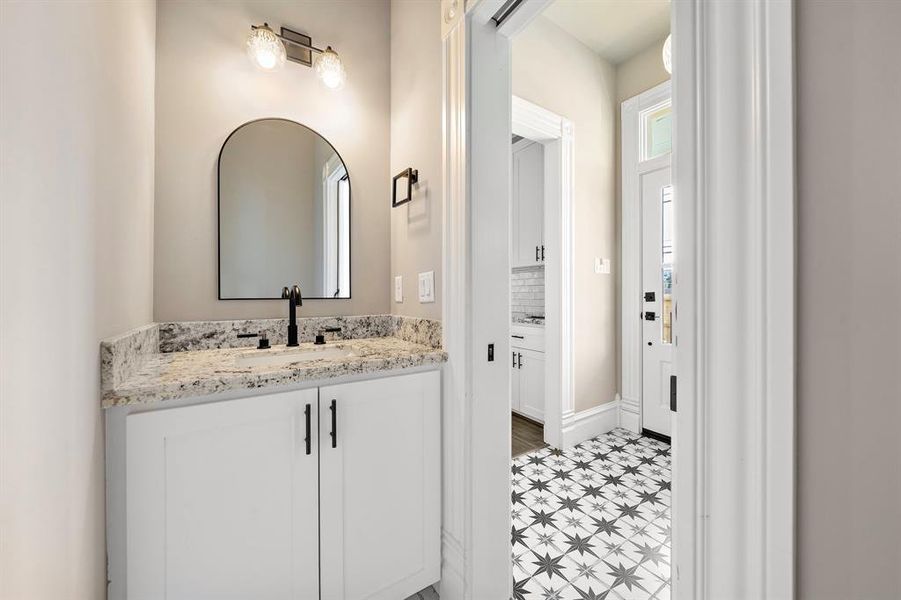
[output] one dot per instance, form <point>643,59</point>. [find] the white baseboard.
<point>452,585</point>
<point>590,423</point>
<point>629,414</point>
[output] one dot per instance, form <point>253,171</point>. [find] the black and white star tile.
<point>593,522</point>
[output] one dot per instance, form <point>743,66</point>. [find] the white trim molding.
<point>589,423</point>
<point>733,171</point>
<point>630,253</point>
<point>629,413</point>
<point>556,134</point>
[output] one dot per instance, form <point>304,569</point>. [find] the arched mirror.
<point>284,213</point>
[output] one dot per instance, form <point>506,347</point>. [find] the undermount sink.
<point>284,357</point>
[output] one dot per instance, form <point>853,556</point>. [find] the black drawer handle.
<point>519,337</point>
<point>334,433</point>
<point>307,440</point>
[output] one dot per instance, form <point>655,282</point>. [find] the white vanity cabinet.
<point>527,377</point>
<point>527,210</point>
<point>239,499</point>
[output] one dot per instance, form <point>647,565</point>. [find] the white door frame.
<point>630,407</point>
<point>556,134</point>
<point>733,171</point>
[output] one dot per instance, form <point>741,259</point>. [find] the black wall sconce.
<point>412,176</point>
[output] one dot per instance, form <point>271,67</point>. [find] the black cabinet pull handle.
<point>542,254</point>
<point>519,337</point>
<point>307,440</point>
<point>514,360</point>
<point>334,434</point>
<point>536,253</point>
<point>519,354</point>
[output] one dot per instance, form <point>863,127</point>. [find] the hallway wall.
<point>547,63</point>
<point>849,300</point>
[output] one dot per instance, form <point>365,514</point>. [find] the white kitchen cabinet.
<point>527,211</point>
<point>222,500</point>
<point>380,487</point>
<point>527,397</point>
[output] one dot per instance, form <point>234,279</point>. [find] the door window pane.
<point>667,264</point>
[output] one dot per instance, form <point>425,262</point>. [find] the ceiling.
<point>615,29</point>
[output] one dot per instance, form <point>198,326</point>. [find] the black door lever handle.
<point>307,440</point>
<point>334,433</point>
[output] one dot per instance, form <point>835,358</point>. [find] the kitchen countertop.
<point>528,321</point>
<point>167,376</point>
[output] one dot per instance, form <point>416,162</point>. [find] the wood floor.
<point>527,435</point>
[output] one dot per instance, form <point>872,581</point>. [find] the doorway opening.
<point>734,232</point>
<point>590,498</point>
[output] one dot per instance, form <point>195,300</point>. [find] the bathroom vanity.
<point>308,472</point>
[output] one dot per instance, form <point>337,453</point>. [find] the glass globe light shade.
<point>265,49</point>
<point>330,70</point>
<point>668,54</point>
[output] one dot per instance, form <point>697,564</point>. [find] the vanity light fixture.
<point>668,54</point>
<point>269,50</point>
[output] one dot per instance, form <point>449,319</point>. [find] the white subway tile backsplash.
<point>527,293</point>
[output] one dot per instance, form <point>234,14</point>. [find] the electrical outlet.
<point>427,287</point>
<point>399,288</point>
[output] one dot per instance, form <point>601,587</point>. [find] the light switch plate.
<point>602,266</point>
<point>427,286</point>
<point>399,288</point>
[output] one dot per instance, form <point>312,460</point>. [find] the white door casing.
<point>631,342</point>
<point>733,138</point>
<point>557,137</point>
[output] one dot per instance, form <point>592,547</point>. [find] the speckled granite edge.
<point>120,355</point>
<point>177,375</point>
<point>183,336</point>
<point>419,331</point>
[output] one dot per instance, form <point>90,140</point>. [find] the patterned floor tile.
<point>593,522</point>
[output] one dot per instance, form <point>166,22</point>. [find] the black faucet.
<point>294,300</point>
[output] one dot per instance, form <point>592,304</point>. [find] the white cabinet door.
<point>380,487</point>
<point>222,500</point>
<point>531,384</point>
<point>528,204</point>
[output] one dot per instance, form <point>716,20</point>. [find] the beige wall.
<point>76,123</point>
<point>548,65</point>
<point>633,76</point>
<point>416,71</point>
<point>206,87</point>
<point>849,294</point>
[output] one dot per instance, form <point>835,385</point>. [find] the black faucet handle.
<point>285,293</point>
<point>297,297</point>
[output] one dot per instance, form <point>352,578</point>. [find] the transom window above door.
<point>656,133</point>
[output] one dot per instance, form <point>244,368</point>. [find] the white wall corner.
<point>586,424</point>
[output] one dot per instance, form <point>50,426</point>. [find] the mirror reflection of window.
<point>284,213</point>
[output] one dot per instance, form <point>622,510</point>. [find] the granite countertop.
<point>166,376</point>
<point>528,321</point>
